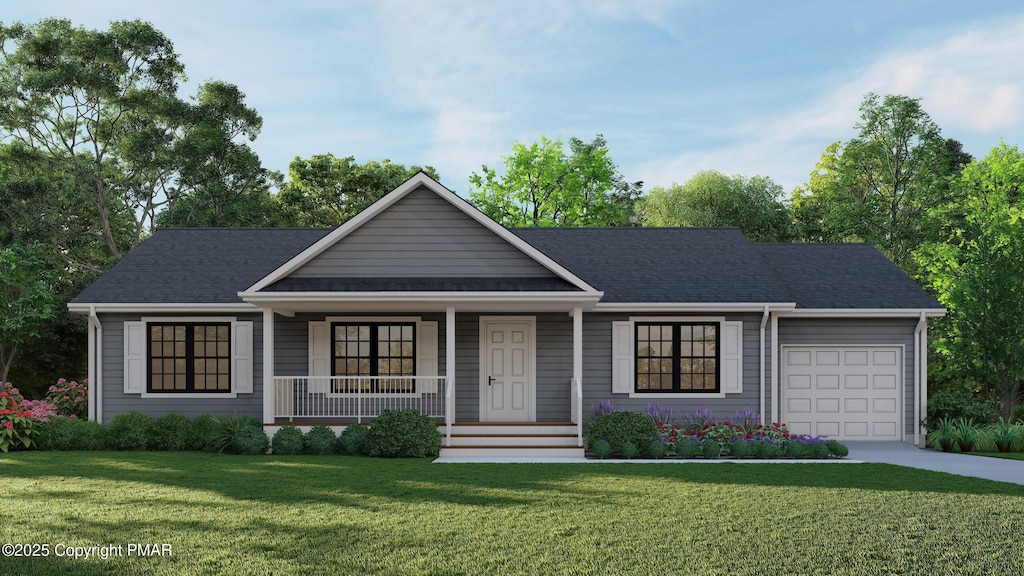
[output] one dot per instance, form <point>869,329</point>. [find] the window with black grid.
<point>677,357</point>
<point>189,357</point>
<point>377,349</point>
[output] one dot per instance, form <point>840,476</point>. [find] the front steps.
<point>514,440</point>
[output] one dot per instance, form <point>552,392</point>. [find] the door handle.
<point>490,380</point>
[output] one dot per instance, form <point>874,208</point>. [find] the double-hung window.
<point>374,349</point>
<point>677,357</point>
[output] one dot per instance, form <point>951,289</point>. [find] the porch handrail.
<point>357,397</point>
<point>578,409</point>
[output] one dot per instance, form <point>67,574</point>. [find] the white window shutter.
<point>241,358</point>
<point>622,357</point>
<point>319,357</point>
<point>732,357</point>
<point>426,357</point>
<point>134,357</point>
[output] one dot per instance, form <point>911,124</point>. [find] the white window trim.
<point>374,320</point>
<point>192,395</point>
<point>669,319</point>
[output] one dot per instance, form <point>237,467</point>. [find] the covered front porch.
<point>492,374</point>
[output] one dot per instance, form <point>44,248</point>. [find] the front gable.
<point>421,230</point>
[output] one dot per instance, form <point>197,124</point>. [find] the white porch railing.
<point>358,397</point>
<point>577,408</point>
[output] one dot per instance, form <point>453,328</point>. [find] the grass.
<point>346,515</point>
<point>1007,455</point>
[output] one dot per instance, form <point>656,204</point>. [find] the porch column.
<point>449,372</point>
<point>268,366</point>
<point>577,370</point>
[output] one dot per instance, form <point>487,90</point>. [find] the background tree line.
<point>97,149</point>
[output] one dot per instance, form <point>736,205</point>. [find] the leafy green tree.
<point>978,273</point>
<point>542,186</point>
<point>221,181</point>
<point>26,302</point>
<point>325,191</point>
<point>711,198</point>
<point>101,108</point>
<point>878,186</point>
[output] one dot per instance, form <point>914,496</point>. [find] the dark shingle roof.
<point>192,265</point>
<point>843,276</point>
<point>661,264</point>
<point>211,265</point>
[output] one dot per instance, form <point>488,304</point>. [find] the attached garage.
<point>843,392</point>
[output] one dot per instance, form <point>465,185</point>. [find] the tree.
<point>978,274</point>
<point>324,191</point>
<point>101,108</point>
<point>542,186</point>
<point>711,198</point>
<point>26,302</point>
<point>221,181</point>
<point>879,186</point>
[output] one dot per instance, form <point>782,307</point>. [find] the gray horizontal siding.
<point>115,401</point>
<point>422,235</point>
<point>876,331</point>
<point>597,371</point>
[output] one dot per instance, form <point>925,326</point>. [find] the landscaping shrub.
<point>66,433</point>
<point>1004,436</point>
<point>837,448</point>
<point>130,431</point>
<point>956,404</point>
<point>655,450</point>
<point>403,434</point>
<point>207,427</point>
<point>227,428</point>
<point>796,450</point>
<point>738,447</point>
<point>175,432</point>
<point>687,447</point>
<point>601,449</point>
<point>966,434</point>
<point>16,426</point>
<point>1017,416</point>
<point>320,440</point>
<point>287,440</point>
<point>40,410</point>
<point>70,398</point>
<point>629,450</point>
<point>767,448</point>
<point>710,449</point>
<point>943,436</point>
<point>250,440</point>
<point>352,440</point>
<point>617,428</point>
<point>819,450</point>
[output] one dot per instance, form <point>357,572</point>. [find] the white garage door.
<point>843,392</point>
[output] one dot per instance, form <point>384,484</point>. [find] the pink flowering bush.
<point>70,398</point>
<point>16,425</point>
<point>40,410</point>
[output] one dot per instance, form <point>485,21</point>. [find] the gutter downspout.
<point>764,321</point>
<point>917,379</point>
<point>95,366</point>
<point>773,375</point>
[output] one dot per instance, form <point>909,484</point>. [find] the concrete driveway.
<point>905,454</point>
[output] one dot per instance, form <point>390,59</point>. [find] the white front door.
<point>507,372</point>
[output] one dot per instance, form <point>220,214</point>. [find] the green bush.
<point>710,449</point>
<point>956,404</point>
<point>174,432</point>
<point>767,449</point>
<point>65,433</point>
<point>227,428</point>
<point>601,449</point>
<point>739,448</point>
<point>130,431</point>
<point>629,450</point>
<point>207,427</point>
<point>287,440</point>
<point>655,450</point>
<point>403,434</point>
<point>319,441</point>
<point>943,436</point>
<point>1017,416</point>
<point>796,450</point>
<point>819,450</point>
<point>686,447</point>
<point>617,428</point>
<point>1005,437</point>
<point>250,440</point>
<point>837,448</point>
<point>352,440</point>
<point>967,434</point>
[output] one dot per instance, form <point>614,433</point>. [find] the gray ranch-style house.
<point>507,337</point>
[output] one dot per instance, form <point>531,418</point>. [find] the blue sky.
<point>675,87</point>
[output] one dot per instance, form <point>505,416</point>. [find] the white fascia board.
<point>686,307</point>
<point>420,179</point>
<point>862,313</point>
<point>286,297</point>
<point>174,308</point>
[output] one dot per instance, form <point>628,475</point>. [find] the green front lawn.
<point>1007,455</point>
<point>347,515</point>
